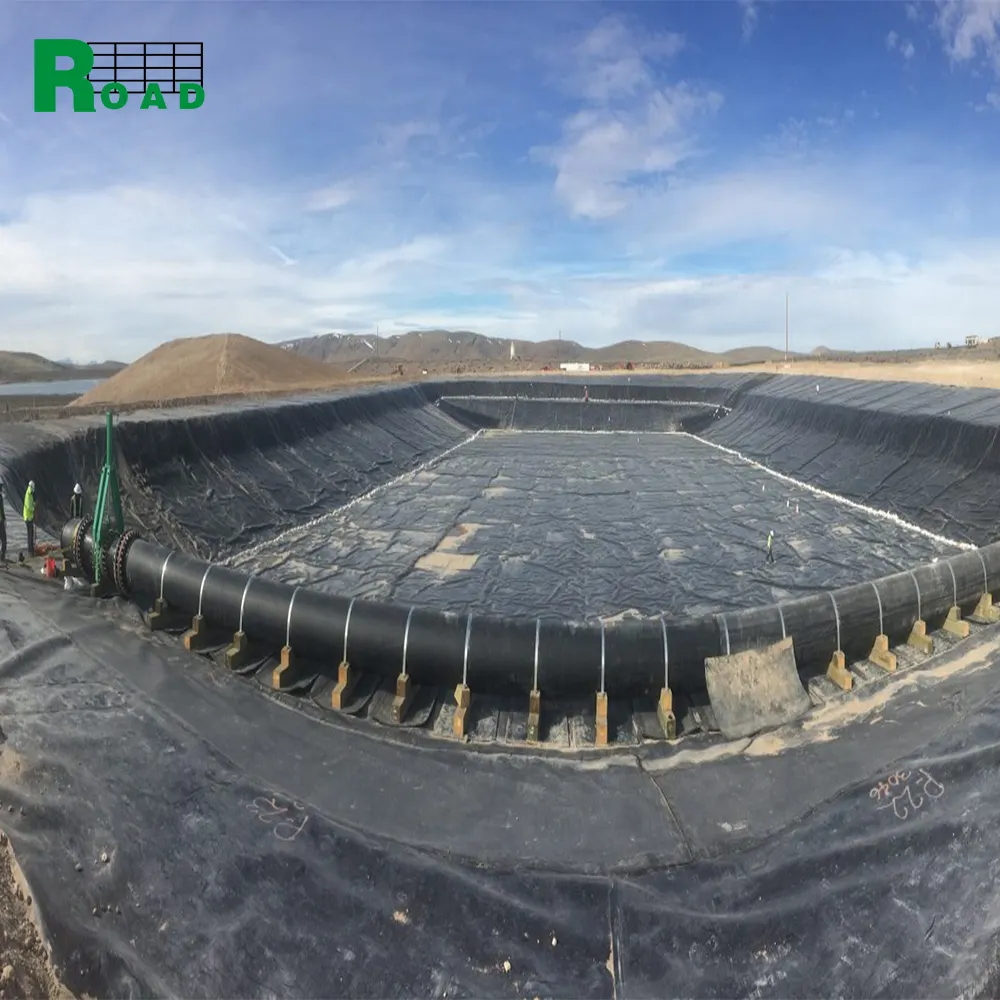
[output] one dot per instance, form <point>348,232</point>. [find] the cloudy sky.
<point>609,171</point>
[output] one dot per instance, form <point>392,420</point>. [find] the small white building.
<point>972,340</point>
<point>575,366</point>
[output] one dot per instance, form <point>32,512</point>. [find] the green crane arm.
<point>107,489</point>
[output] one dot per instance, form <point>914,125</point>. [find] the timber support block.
<point>601,719</point>
<point>401,702</point>
<point>881,656</point>
<point>919,639</point>
<point>665,713</point>
<point>195,636</point>
<point>838,673</point>
<point>534,715</point>
<point>344,688</point>
<point>103,589</point>
<point>986,610</point>
<point>954,624</point>
<point>286,661</point>
<point>463,699</point>
<point>237,651</point>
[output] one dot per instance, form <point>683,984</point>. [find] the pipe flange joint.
<point>77,549</point>
<point>121,554</point>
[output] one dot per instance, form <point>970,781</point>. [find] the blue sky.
<point>610,171</point>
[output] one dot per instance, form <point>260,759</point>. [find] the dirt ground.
<point>25,967</point>
<point>975,373</point>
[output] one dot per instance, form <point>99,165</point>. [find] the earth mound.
<point>221,364</point>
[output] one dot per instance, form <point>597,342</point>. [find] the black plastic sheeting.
<point>255,851</point>
<point>577,526</point>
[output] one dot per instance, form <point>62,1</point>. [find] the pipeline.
<point>505,655</point>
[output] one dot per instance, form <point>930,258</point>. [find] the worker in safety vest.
<point>3,528</point>
<point>29,516</point>
<point>76,502</point>
<point>770,546</point>
<point>586,394</point>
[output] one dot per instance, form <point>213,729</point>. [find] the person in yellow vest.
<point>29,516</point>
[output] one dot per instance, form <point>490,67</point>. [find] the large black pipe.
<point>501,655</point>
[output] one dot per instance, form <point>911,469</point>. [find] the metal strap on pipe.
<point>465,652</point>
<point>288,620</point>
<point>725,629</point>
<point>954,584</point>
<point>917,585</point>
<point>836,615</point>
<point>781,617</point>
<point>406,640</point>
<point>243,599</point>
<point>986,577</point>
<point>878,597</point>
<point>347,625</point>
<point>602,656</point>
<point>538,630</point>
<point>666,654</point>
<point>163,573</point>
<point>201,589</point>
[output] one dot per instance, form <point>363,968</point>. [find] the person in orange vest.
<point>29,516</point>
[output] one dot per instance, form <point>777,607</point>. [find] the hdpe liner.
<point>256,851</point>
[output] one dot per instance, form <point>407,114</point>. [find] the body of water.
<point>71,387</point>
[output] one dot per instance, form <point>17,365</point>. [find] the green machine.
<point>109,502</point>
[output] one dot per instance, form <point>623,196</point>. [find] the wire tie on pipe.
<point>878,597</point>
<point>288,621</point>
<point>163,573</point>
<point>347,625</point>
<point>666,654</point>
<point>538,629</point>
<point>201,589</point>
<point>986,579</point>
<point>406,641</point>
<point>916,584</point>
<point>243,599</point>
<point>602,656</point>
<point>836,615</point>
<point>465,653</point>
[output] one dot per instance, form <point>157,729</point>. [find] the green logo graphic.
<point>152,69</point>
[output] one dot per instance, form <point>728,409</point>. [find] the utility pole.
<point>786,326</point>
<point>376,345</point>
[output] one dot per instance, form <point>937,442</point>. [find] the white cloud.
<point>993,100</point>
<point>908,50</point>
<point>891,40</point>
<point>333,197</point>
<point>904,45</point>
<point>912,11</point>
<point>970,30</point>
<point>632,126</point>
<point>750,19</point>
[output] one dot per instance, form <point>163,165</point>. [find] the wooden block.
<point>194,637</point>
<point>986,610</point>
<point>285,663</point>
<point>880,654</point>
<point>838,673</point>
<point>954,625</point>
<point>601,719</point>
<point>534,715</point>
<point>401,703</point>
<point>665,713</point>
<point>346,679</point>
<point>463,699</point>
<point>238,650</point>
<point>919,639</point>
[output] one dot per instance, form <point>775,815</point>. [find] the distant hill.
<point>434,347</point>
<point>221,364</point>
<point>20,366</point>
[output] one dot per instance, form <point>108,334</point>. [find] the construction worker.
<point>29,516</point>
<point>3,528</point>
<point>586,394</point>
<point>770,546</point>
<point>76,502</point>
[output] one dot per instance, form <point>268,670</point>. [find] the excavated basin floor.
<point>579,525</point>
